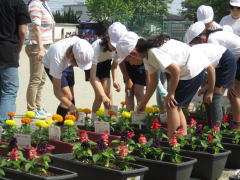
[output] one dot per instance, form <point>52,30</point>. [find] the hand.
<point>40,55</point>
<point>201,91</point>
<point>117,86</point>
<point>73,110</point>
<point>171,102</point>
<point>140,108</point>
<point>107,102</point>
<point>208,97</point>
<point>129,83</point>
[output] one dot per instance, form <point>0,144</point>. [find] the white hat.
<point>193,31</point>
<point>235,3</point>
<point>126,44</point>
<point>83,53</point>
<point>205,14</point>
<point>115,31</point>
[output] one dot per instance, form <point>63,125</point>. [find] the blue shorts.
<point>186,89</point>
<point>67,78</point>
<point>103,70</point>
<point>237,77</point>
<point>225,71</point>
<point>136,73</point>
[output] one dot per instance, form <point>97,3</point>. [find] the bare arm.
<point>211,77</point>
<point>21,35</point>
<point>116,85</point>
<point>37,32</point>
<point>127,79</point>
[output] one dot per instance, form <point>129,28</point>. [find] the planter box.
<point>64,147</point>
<point>4,151</point>
<point>61,174</point>
<point>93,172</point>
<point>233,178</point>
<point>3,178</point>
<point>209,166</point>
<point>167,170</point>
<point>233,161</point>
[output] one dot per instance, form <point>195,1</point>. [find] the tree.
<point>220,8</point>
<point>65,17</point>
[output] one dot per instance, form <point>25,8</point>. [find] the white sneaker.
<point>44,112</point>
<point>39,115</point>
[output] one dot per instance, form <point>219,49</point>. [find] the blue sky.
<point>58,4</point>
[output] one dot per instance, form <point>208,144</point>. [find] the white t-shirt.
<point>100,55</point>
<point>213,52</point>
<point>215,26</point>
<point>234,23</point>
<point>227,39</point>
<point>55,59</point>
<point>190,61</point>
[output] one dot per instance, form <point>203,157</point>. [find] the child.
<point>232,42</point>
<point>71,51</point>
<point>175,58</point>
<point>223,61</point>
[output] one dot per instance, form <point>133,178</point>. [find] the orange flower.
<point>111,113</point>
<point>70,117</point>
<point>87,111</point>
<point>57,118</point>
<point>123,103</point>
<point>11,114</point>
<point>26,120</point>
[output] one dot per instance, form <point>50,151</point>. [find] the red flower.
<point>13,155</point>
<point>130,135</point>
<point>225,118</point>
<point>200,126</point>
<point>173,141</point>
<point>216,128</point>
<point>193,123</point>
<point>105,137</point>
<point>210,138</point>
<point>123,152</point>
<point>84,137</point>
<point>142,139</point>
<point>155,125</point>
<point>33,153</point>
<point>179,131</point>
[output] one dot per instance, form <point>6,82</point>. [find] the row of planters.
<point>92,153</point>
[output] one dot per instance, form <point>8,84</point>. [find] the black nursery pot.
<point>209,166</point>
<point>167,170</point>
<point>92,172</point>
<point>233,161</point>
<point>3,178</point>
<point>61,174</point>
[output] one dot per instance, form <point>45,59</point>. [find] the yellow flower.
<point>156,109</point>
<point>41,123</point>
<point>126,114</point>
<point>80,109</point>
<point>30,114</point>
<point>101,109</point>
<point>69,123</point>
<point>10,123</point>
<point>100,113</point>
<point>149,109</point>
<point>113,118</point>
<point>57,118</point>
<point>49,122</point>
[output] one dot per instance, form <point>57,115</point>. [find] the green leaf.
<point>27,166</point>
<point>96,157</point>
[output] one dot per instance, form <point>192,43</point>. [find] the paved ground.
<point>84,94</point>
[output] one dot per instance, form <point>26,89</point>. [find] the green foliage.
<point>8,133</point>
<point>65,17</point>
<point>40,134</point>
<point>69,134</point>
<point>220,8</point>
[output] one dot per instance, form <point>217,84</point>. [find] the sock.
<point>216,108</point>
<point>63,112</point>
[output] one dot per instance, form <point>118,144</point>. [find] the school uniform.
<point>102,59</point>
<point>223,60</point>
<point>57,65</point>
<point>191,62</point>
<point>230,41</point>
<point>234,23</point>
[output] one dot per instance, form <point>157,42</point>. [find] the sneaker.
<point>44,112</point>
<point>39,115</point>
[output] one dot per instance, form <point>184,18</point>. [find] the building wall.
<point>62,29</point>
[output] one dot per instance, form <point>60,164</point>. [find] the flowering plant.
<point>25,126</point>
<point>123,106</point>
<point>111,117</point>
<point>69,131</point>
<point>87,119</point>
<point>175,149</point>
<point>41,133</point>
<point>124,122</point>
<point>9,130</point>
<point>152,113</point>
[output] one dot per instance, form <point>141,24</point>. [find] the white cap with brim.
<point>193,31</point>
<point>126,44</point>
<point>235,3</point>
<point>205,14</point>
<point>115,31</point>
<point>83,53</point>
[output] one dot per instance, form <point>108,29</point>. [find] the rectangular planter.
<point>233,161</point>
<point>92,172</point>
<point>4,151</point>
<point>64,147</point>
<point>167,170</point>
<point>62,174</point>
<point>233,178</point>
<point>209,166</point>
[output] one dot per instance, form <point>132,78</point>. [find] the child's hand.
<point>107,102</point>
<point>73,110</point>
<point>208,97</point>
<point>117,86</point>
<point>129,84</point>
<point>201,91</point>
<point>171,102</point>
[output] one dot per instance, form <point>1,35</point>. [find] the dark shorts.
<point>186,89</point>
<point>237,77</point>
<point>103,70</point>
<point>225,71</point>
<point>67,78</point>
<point>136,73</point>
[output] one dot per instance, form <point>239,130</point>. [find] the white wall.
<point>66,27</point>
